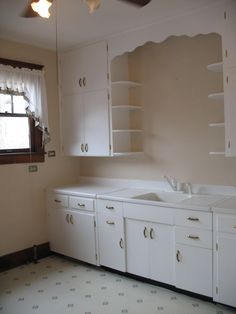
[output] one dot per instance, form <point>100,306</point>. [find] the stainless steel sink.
<point>167,197</point>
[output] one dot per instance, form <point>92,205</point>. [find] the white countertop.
<point>227,206</point>
<point>194,202</point>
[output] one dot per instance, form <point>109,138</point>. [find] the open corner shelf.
<point>127,107</point>
<point>217,153</point>
<point>216,96</point>
<point>127,153</point>
<point>217,125</point>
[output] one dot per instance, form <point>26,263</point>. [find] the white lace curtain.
<point>32,84</point>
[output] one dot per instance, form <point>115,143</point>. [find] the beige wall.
<point>177,112</point>
<point>22,209</point>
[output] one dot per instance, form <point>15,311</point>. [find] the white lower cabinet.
<point>193,269</point>
<point>225,259</point>
<point>111,241</point>
<point>150,248</point>
<point>71,231</point>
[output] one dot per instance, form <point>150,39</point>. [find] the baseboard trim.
<point>28,255</point>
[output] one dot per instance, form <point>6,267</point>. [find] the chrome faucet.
<point>172,182</point>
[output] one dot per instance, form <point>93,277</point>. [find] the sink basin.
<point>168,197</point>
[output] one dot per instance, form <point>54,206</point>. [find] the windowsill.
<point>20,158</point>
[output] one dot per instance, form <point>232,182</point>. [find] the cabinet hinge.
<point>108,76</point>
<point>225,15</point>
<point>110,147</point>
<point>216,246</point>
<point>217,290</point>
<point>226,53</point>
<point>227,79</point>
<point>95,224</point>
<point>107,47</point>
<point>96,257</point>
<point>229,144</point>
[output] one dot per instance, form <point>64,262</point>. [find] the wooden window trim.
<point>37,153</point>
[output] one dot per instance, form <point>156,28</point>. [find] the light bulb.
<point>93,5</point>
<point>42,7</point>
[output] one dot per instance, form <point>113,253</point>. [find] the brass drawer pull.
<point>193,237</point>
<point>110,207</point>
<point>81,205</point>
<point>178,256</point>
<point>84,81</point>
<point>80,82</point>
<point>145,232</point>
<point>193,219</point>
<point>82,148</point>
<point>71,219</point>
<point>110,222</point>
<point>86,148</point>
<point>57,201</point>
<point>152,233</point>
<point>121,243</point>
<point>67,218</point>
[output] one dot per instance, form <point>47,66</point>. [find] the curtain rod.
<point>21,64</point>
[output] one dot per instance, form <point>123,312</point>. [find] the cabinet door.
<point>58,229</point>
<point>228,36</point>
<point>230,110</point>
<point>225,277</point>
<point>193,269</point>
<point>81,238</point>
<point>72,125</point>
<point>161,252</point>
<point>96,122</point>
<point>95,66</point>
<point>72,71</point>
<point>137,247</point>
<point>111,241</point>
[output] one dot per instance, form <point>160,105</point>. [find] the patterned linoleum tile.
<point>60,286</point>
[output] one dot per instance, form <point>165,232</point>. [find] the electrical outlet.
<point>51,153</point>
<point>33,168</point>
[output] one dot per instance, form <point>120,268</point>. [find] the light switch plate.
<point>51,153</point>
<point>33,168</point>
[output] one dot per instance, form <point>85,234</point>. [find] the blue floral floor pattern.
<point>56,285</point>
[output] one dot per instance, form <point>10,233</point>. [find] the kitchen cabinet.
<point>225,259</point>
<point>85,115</point>
<point>150,248</point>
<point>111,235</point>
<point>85,124</point>
<point>193,249</point>
<point>72,231</point>
<point>84,69</point>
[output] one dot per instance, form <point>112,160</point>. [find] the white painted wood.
<point>161,253</point>
<point>111,241</point>
<point>226,223</point>
<point>230,110</point>
<point>126,83</point>
<point>81,203</point>
<point>110,207</point>
<point>137,247</point>
<point>72,124</point>
<point>150,213</point>
<point>194,269</point>
<point>217,125</point>
<point>127,131</point>
<point>128,154</point>
<point>216,67</point>
<point>81,236</point>
<point>96,123</point>
<point>228,38</point>
<point>225,275</point>
<point>192,218</point>
<point>57,200</point>
<point>194,237</point>
<point>127,107</point>
<point>216,96</point>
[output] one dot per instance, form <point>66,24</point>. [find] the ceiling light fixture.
<point>42,7</point>
<point>92,5</point>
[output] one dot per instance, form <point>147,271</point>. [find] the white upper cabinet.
<point>85,122</point>
<point>84,69</point>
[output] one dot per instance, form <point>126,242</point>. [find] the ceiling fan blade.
<point>140,3</point>
<point>29,12</point>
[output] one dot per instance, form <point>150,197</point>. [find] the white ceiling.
<point>76,26</point>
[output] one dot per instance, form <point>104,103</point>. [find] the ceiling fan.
<point>37,8</point>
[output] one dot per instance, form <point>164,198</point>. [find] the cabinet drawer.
<point>193,218</point>
<point>112,207</point>
<point>58,200</point>
<point>81,203</point>
<point>194,237</point>
<point>226,223</point>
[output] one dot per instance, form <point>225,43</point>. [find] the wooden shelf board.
<point>128,107</point>
<point>127,153</point>
<point>220,125</point>
<point>216,96</point>
<point>217,153</point>
<point>215,67</point>
<point>127,131</point>
<point>126,83</point>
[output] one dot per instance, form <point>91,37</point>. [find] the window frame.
<point>36,153</point>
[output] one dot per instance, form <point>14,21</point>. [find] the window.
<point>22,116</point>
